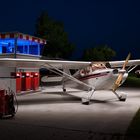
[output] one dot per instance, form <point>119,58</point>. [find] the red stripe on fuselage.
<point>93,76</point>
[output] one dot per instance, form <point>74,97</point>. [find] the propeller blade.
<point>126,61</point>
<point>120,76</point>
<point>118,82</point>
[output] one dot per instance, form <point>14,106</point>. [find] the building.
<point>19,45</point>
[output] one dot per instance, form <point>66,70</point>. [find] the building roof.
<point>22,36</point>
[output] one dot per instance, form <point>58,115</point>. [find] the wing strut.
<point>131,68</point>
<point>62,73</point>
<point>86,98</point>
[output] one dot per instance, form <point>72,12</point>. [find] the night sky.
<point>88,22</point>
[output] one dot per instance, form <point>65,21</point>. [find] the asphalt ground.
<point>50,114</point>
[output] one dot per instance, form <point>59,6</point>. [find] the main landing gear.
<point>122,97</point>
<point>85,101</point>
<point>87,96</point>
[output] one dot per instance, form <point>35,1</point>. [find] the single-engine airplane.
<point>90,76</point>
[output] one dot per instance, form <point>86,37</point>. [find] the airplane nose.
<point>122,71</point>
<point>116,71</point>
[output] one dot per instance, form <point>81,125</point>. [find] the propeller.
<point>120,76</point>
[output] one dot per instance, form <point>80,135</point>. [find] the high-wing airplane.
<point>90,76</point>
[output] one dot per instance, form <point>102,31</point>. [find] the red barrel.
<point>6,104</point>
<point>18,77</point>
<point>34,80</point>
<point>26,81</point>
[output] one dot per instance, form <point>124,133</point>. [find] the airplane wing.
<point>35,63</point>
<point>120,63</point>
<point>54,64</point>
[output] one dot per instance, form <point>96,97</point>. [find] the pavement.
<point>50,114</point>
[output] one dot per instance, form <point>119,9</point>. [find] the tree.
<point>98,53</point>
<point>58,45</point>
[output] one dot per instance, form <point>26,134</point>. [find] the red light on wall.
<point>36,74</point>
<point>27,74</point>
<point>18,74</point>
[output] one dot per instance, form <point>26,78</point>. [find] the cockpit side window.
<point>98,66</point>
<point>108,65</point>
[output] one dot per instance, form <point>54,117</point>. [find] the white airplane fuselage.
<point>100,79</point>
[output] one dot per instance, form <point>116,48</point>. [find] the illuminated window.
<point>22,45</point>
<point>33,49</point>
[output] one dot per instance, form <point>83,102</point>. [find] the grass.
<point>132,81</point>
<point>134,127</point>
<point>133,130</point>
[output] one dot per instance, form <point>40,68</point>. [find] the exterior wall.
<point>27,70</point>
<point>5,72</point>
<point>5,78</point>
<point>8,83</point>
<point>19,56</point>
<point>15,40</point>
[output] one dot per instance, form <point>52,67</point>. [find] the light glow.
<point>25,47</point>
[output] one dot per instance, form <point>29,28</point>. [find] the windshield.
<point>98,66</point>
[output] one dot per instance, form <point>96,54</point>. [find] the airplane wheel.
<point>122,97</point>
<point>64,90</point>
<point>85,103</point>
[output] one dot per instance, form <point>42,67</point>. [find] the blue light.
<point>23,46</point>
<point>6,46</point>
<point>27,47</point>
